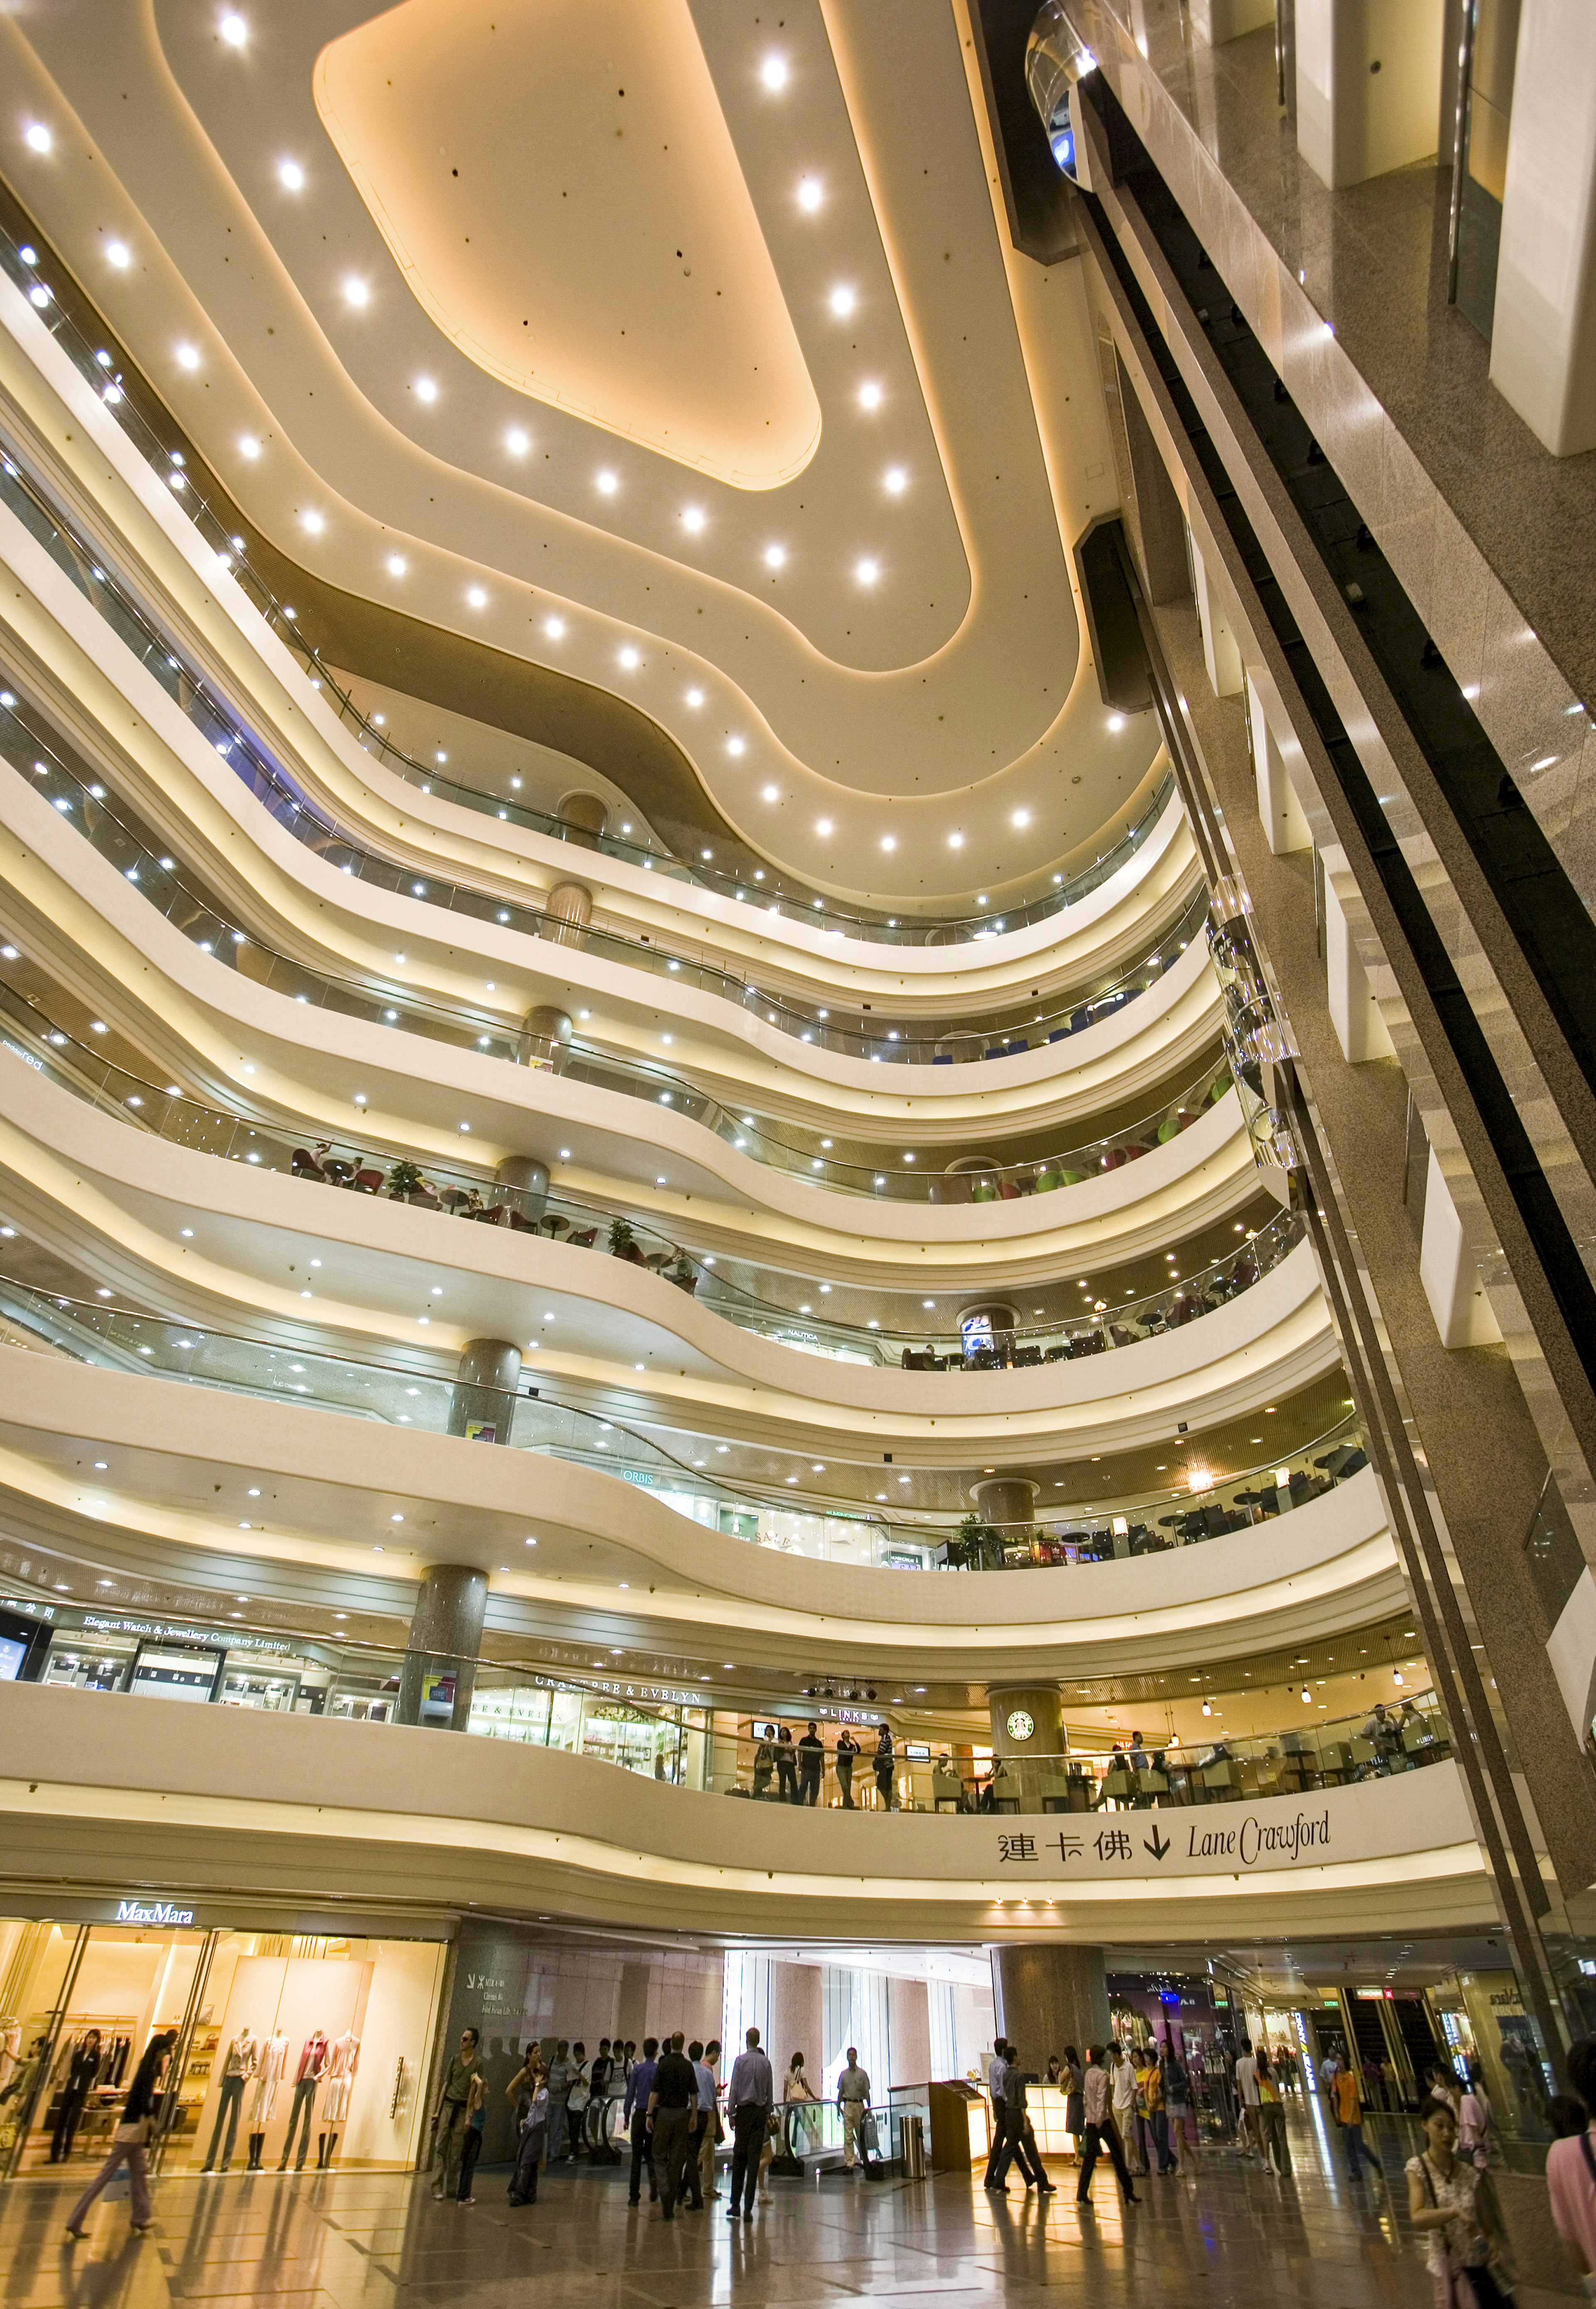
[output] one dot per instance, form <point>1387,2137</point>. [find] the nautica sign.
<point>151,1912</point>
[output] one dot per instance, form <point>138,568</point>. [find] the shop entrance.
<point>303,2048</point>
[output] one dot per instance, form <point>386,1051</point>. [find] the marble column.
<point>567,912</point>
<point>546,1034</point>
<point>530,1179</point>
<point>1031,1758</point>
<point>586,816</point>
<point>445,1640</point>
<point>1048,1996</point>
<point>1543,335</point>
<point>483,1406</point>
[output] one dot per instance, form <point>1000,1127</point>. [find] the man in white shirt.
<point>1100,2132</point>
<point>750,2095</point>
<point>1247,2088</point>
<point>853,2098</point>
<point>996,2073</point>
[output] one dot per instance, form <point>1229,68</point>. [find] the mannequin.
<point>273,2059</point>
<point>242,2059</point>
<point>11,2046</point>
<point>313,2061</point>
<point>343,2057</point>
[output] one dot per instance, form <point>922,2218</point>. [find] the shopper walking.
<point>750,2095</point>
<point>1348,2109</point>
<point>1017,2135</point>
<point>1272,2118</point>
<point>703,2116</point>
<point>563,2073</point>
<point>997,2070</point>
<point>1151,2084</point>
<point>470,2146</point>
<point>1454,2205</point>
<point>1100,2130</point>
<point>671,2107</point>
<point>846,1749</point>
<point>1250,2132</point>
<point>635,2116</point>
<point>853,2103</point>
<point>529,2088</point>
<point>713,2134</point>
<point>1178,2101</point>
<point>811,1766</point>
<point>450,2117</point>
<point>1071,2077</point>
<point>801,2105</point>
<point>131,2139</point>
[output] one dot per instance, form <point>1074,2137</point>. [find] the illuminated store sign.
<point>151,1912</point>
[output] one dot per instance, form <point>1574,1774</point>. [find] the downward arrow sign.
<point>1157,1845</point>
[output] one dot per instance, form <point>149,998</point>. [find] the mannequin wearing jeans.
<point>312,2060</point>
<point>270,2068</point>
<point>242,2058</point>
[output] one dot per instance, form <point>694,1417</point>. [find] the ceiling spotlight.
<point>824,826</point>
<point>290,176</point>
<point>809,193</point>
<point>771,793</point>
<point>870,394</point>
<point>1116,720</point>
<point>894,481</point>
<point>356,293</point>
<point>425,390</point>
<point>313,522</point>
<point>843,299</point>
<point>867,571</point>
<point>249,447</point>
<point>188,357</point>
<point>1021,818</point>
<point>773,72</point>
<point>693,518</point>
<point>116,254</point>
<point>737,745</point>
<point>775,557</point>
<point>955,841</point>
<point>555,627</point>
<point>518,441</point>
<point>606,483</point>
<point>696,698</point>
<point>889,841</point>
<point>630,659</point>
<point>38,138</point>
<point>397,564</point>
<point>477,596</point>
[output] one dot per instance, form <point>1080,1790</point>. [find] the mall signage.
<point>1152,1842</point>
<point>163,1914</point>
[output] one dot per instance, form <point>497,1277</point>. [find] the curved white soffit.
<point>540,1829</point>
<point>998,709</point>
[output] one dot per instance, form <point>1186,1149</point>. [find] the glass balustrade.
<point>688,1736</point>
<point>103,821</point>
<point>921,1044</point>
<point>169,455</point>
<point>793,1520</point>
<point>351,1167</point>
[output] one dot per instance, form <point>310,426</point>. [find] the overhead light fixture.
<point>477,596</point>
<point>696,698</point>
<point>1117,722</point>
<point>397,564</point>
<point>889,841</point>
<point>770,794</point>
<point>843,299</point>
<point>629,658</point>
<point>356,293</point>
<point>955,841</point>
<point>894,481</point>
<point>737,745</point>
<point>38,137</point>
<point>867,571</point>
<point>248,448</point>
<point>233,29</point>
<point>518,441</point>
<point>425,390</point>
<point>555,627</point>
<point>824,826</point>
<point>693,518</point>
<point>116,254</point>
<point>1022,818</point>
<point>290,176</point>
<point>810,193</point>
<point>773,72</point>
<point>775,557</point>
<point>313,522</point>
<point>606,483</point>
<point>188,357</point>
<point>870,394</point>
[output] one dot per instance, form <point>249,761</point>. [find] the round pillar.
<point>585,816</point>
<point>1008,1502</point>
<point>530,1179</point>
<point>445,1641</point>
<point>1027,1738</point>
<point>545,1034</point>
<point>567,912</point>
<point>483,1406</point>
<point>1048,1997</point>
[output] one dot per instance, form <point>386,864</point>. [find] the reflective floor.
<point>1227,2233</point>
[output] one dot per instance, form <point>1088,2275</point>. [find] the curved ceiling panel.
<point>465,126</point>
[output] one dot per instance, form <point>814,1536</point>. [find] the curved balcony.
<point>660,1547</point>
<point>171,465</point>
<point>533,1829</point>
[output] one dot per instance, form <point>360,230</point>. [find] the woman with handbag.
<point>131,2138</point>
<point>1455,2204</point>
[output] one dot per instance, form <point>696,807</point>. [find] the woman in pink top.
<point>1571,2170</point>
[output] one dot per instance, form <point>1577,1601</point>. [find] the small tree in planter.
<point>623,1243</point>
<point>406,1182</point>
<point>683,1276</point>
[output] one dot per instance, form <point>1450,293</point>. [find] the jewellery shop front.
<point>302,2040</point>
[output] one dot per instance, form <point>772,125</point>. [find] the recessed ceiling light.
<point>810,194</point>
<point>397,564</point>
<point>775,557</point>
<point>606,483</point>
<point>693,518</point>
<point>555,627</point>
<point>425,390</point>
<point>629,658</point>
<point>249,447</point>
<point>955,841</point>
<point>696,698</point>
<point>116,254</point>
<point>870,394</point>
<point>188,357</point>
<point>1116,720</point>
<point>737,745</point>
<point>894,481</point>
<point>773,72</point>
<point>889,841</point>
<point>843,298</point>
<point>824,826</point>
<point>517,441</point>
<point>356,293</point>
<point>771,793</point>
<point>233,29</point>
<point>1021,818</point>
<point>313,522</point>
<point>866,571</point>
<point>290,176</point>
<point>477,596</point>
<point>38,138</point>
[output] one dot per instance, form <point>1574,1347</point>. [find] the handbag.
<point>1469,2287</point>
<point>133,2134</point>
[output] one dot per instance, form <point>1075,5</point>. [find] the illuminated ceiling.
<point>843,589</point>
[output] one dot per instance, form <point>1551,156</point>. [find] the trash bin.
<point>914,2149</point>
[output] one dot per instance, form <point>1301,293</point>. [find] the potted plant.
<point>683,1276</point>
<point>405,1182</point>
<point>623,1242</point>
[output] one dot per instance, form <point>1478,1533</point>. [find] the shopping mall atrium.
<point>899,687</point>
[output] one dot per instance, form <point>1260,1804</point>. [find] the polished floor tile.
<point>1227,2236</point>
